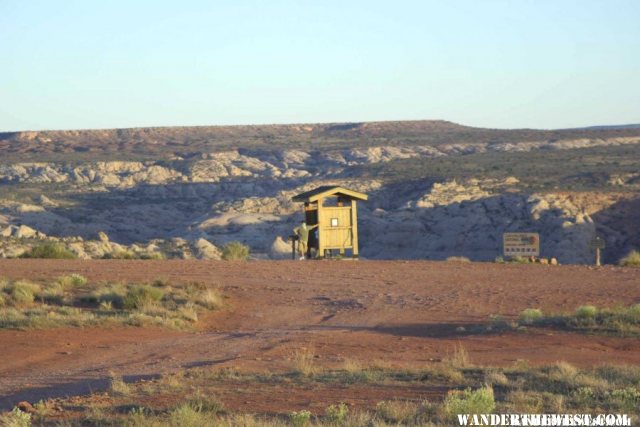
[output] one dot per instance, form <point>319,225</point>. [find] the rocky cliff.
<point>188,206</point>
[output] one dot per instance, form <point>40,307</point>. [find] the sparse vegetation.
<point>631,260</point>
<point>188,398</point>
<point>72,280</point>
<point>128,254</point>
<point>624,321</point>
<point>71,300</point>
<point>235,251</point>
<point>49,250</point>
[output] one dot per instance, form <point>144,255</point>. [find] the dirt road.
<point>403,313</point>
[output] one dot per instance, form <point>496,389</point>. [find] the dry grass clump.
<point>141,296</point>
<point>303,362</point>
<point>23,292</point>
<point>235,251</point>
<point>458,259</point>
<point>71,280</point>
<point>631,260</point>
<point>404,412</point>
<point>49,251</point>
<point>459,358</point>
<point>71,300</point>
<point>118,387</point>
<point>495,377</point>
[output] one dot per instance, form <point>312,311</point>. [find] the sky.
<point>502,64</point>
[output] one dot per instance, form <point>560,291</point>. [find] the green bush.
<point>480,401</point>
<point>336,414</point>
<point>300,419</point>
<point>49,250</point>
<point>142,295</point>
<point>631,260</point>
<point>625,400</point>
<point>235,251</point>
<point>586,312</point>
<point>531,315</point>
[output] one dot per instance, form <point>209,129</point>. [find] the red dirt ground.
<point>404,314</point>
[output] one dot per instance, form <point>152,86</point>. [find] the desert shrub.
<point>397,411</point>
<point>631,260</point>
<point>495,377</point>
<point>336,414</point>
<point>520,260</point>
<point>140,417</point>
<point>480,401</point>
<point>189,312</point>
<point>531,315</point>
<point>235,251</point>
<point>153,255</point>
<point>118,386</point>
<point>113,293</point>
<point>23,292</point>
<point>443,372</point>
<point>624,400</point>
<point>106,306</point>
<point>583,397</point>
<point>186,415</point>
<point>139,296</point>
<point>3,300</point>
<point>458,259</point>
<point>72,280</point>
<point>619,375</point>
<point>49,250</point>
<point>53,293</point>
<point>586,312</point>
<point>161,282</point>
<point>205,403</point>
<point>15,418</point>
<point>300,418</point>
<point>525,401</point>
<point>121,254</point>
<point>42,408</point>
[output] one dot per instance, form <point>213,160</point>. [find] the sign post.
<point>598,244</point>
<point>521,244</point>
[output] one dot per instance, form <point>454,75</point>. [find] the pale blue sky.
<point>105,64</point>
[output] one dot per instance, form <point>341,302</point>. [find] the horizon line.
<point>586,127</point>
